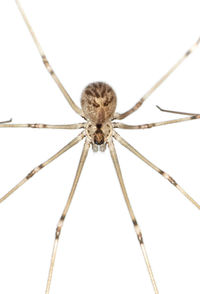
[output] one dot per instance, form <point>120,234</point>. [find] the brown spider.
<point>98,102</point>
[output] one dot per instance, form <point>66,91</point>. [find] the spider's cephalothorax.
<point>98,103</point>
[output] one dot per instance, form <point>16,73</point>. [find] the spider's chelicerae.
<point>98,104</point>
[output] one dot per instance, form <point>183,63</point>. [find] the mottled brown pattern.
<point>99,137</point>
<point>172,181</point>
<point>95,104</point>
<point>30,175</point>
<point>98,102</point>
<point>140,238</point>
<point>99,133</point>
<point>34,171</point>
<point>194,117</point>
<point>88,92</point>
<point>135,222</point>
<point>101,115</point>
<point>139,104</point>
<point>103,92</point>
<point>58,231</point>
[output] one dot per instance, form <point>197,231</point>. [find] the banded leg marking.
<point>45,163</point>
<point>44,126</point>
<point>61,221</point>
<point>164,174</point>
<point>132,215</point>
<point>47,64</point>
<point>156,124</point>
<point>148,93</point>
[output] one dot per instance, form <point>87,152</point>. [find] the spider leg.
<point>45,163</point>
<point>148,93</point>
<point>62,218</point>
<point>43,126</point>
<point>156,124</point>
<point>177,112</point>
<point>164,174</point>
<point>6,121</point>
<point>132,215</point>
<point>46,63</point>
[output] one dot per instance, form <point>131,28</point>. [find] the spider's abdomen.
<point>98,102</point>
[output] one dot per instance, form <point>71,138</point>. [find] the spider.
<point>98,104</point>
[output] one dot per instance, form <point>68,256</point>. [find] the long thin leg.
<point>62,218</point>
<point>46,63</point>
<point>6,121</point>
<point>148,93</point>
<point>132,215</point>
<point>43,126</point>
<point>176,112</point>
<point>156,124</point>
<point>164,174</point>
<point>45,163</point>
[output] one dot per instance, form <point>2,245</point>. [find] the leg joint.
<point>59,226</point>
<point>172,181</point>
<point>46,63</point>
<point>36,126</point>
<point>34,171</point>
<point>188,52</point>
<point>168,177</point>
<point>140,238</point>
<point>31,174</point>
<point>138,104</point>
<point>58,231</point>
<point>138,231</point>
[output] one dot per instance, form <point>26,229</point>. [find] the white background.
<point>128,44</point>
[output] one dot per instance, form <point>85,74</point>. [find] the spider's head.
<point>98,103</point>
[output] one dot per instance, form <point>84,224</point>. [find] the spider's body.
<point>99,135</point>
<point>98,103</point>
